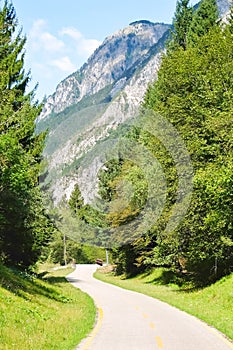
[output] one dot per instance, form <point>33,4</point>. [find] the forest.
<point>193,93</point>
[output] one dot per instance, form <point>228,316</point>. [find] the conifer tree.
<point>22,217</point>
<point>181,23</point>
<point>76,201</point>
<point>204,18</point>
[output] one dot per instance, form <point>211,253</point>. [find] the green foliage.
<point>204,19</point>
<point>106,176</point>
<point>181,23</point>
<point>76,200</point>
<point>127,190</point>
<point>124,258</point>
<point>23,221</point>
<point>194,92</point>
<point>75,251</point>
<point>206,234</point>
<point>122,185</point>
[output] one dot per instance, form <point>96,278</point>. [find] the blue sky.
<point>61,35</point>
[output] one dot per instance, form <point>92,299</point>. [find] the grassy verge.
<point>42,313</point>
<point>212,304</point>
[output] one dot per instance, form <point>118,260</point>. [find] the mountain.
<point>223,7</point>
<point>111,62</point>
<point>90,104</point>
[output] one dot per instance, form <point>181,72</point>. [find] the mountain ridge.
<point>75,127</point>
<point>86,81</point>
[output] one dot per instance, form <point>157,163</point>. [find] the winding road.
<point>132,321</point>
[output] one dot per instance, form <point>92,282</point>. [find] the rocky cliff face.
<point>223,7</point>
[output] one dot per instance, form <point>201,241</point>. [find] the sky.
<point>61,35</point>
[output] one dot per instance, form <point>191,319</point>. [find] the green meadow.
<point>42,313</point>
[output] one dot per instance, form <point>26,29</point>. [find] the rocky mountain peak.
<point>223,6</point>
<point>109,63</point>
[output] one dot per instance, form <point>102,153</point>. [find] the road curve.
<point>132,321</point>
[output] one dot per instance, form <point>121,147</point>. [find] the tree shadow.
<point>183,280</point>
<point>28,286</point>
<point>54,279</point>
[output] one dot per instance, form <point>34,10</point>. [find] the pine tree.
<point>76,201</point>
<point>181,23</point>
<point>22,218</point>
<point>204,18</point>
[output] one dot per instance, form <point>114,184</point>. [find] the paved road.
<point>132,321</point>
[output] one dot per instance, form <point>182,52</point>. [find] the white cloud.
<point>64,64</point>
<point>71,32</point>
<point>51,43</point>
<point>89,45</point>
<point>52,55</point>
<point>41,39</point>
<point>84,47</point>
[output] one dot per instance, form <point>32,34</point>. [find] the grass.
<point>212,304</point>
<point>42,313</point>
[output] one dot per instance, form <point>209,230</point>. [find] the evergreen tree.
<point>204,18</point>
<point>22,220</point>
<point>181,23</point>
<point>76,200</point>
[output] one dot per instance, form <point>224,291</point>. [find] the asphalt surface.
<point>132,321</point>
